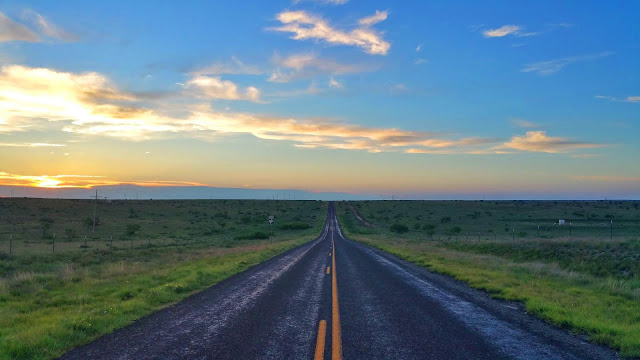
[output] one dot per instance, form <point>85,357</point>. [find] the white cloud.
<point>306,26</point>
<point>633,99</point>
<point>13,31</point>
<point>502,31</point>
<point>302,66</point>
<point>552,66</point>
<point>419,48</point>
<point>216,88</point>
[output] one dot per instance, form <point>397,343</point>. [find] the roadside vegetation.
<point>583,276</point>
<point>161,252</point>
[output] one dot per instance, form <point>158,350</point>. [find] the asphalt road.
<point>333,298</point>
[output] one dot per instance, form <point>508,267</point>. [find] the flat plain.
<point>58,291</point>
<point>582,276</point>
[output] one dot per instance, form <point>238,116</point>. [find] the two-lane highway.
<point>331,299</point>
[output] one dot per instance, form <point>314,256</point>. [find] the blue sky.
<point>456,98</point>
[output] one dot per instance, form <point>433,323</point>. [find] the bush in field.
<point>132,229</point>
<point>445,219</point>
<point>70,233</point>
<point>296,225</point>
<point>88,222</point>
<point>258,235</point>
<point>428,227</point>
<point>454,230</point>
<point>399,228</point>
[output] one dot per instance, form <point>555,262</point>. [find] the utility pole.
<point>95,206</point>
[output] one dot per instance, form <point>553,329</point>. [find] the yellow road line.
<point>328,269</point>
<point>336,338</point>
<point>322,330</point>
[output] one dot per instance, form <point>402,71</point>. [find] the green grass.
<point>588,285</point>
<point>52,302</point>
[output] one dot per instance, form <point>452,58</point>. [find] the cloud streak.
<point>502,31</point>
<point>89,104</point>
<point>305,26</point>
<point>13,31</point>
<point>78,181</point>
<point>303,66</point>
<point>539,141</point>
<point>552,66</point>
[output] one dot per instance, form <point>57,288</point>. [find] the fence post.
<point>111,241</point>
<point>513,234</point>
<point>10,244</point>
<point>611,233</point>
<point>85,242</point>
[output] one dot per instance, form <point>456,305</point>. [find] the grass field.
<point>585,278</point>
<point>53,301</point>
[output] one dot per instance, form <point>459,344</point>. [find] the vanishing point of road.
<point>333,298</point>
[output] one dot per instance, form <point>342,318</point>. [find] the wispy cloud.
<point>78,181</point>
<point>606,178</point>
<point>539,141</point>
<point>48,28</point>
<point>420,61</point>
<point>215,88</point>
<point>34,145</point>
<point>303,66</point>
<point>629,99</point>
<point>379,16</point>
<point>13,31</point>
<point>305,26</point>
<point>419,48</point>
<point>335,83</point>
<point>552,66</point>
<point>522,123</point>
<point>502,31</point>
<point>235,66</point>
<point>326,2</point>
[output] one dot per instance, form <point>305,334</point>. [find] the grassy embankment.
<point>586,282</point>
<point>51,302</point>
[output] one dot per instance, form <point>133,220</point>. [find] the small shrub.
<point>258,235</point>
<point>445,219</point>
<point>296,225</point>
<point>399,228</point>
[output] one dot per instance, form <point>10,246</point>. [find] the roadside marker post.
<point>271,221</point>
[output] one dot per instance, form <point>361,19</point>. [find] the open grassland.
<point>53,301</point>
<point>585,279</point>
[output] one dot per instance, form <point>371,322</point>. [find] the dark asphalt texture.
<point>389,309</point>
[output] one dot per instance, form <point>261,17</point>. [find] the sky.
<point>373,99</point>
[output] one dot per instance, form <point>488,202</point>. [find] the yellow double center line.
<point>336,338</point>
